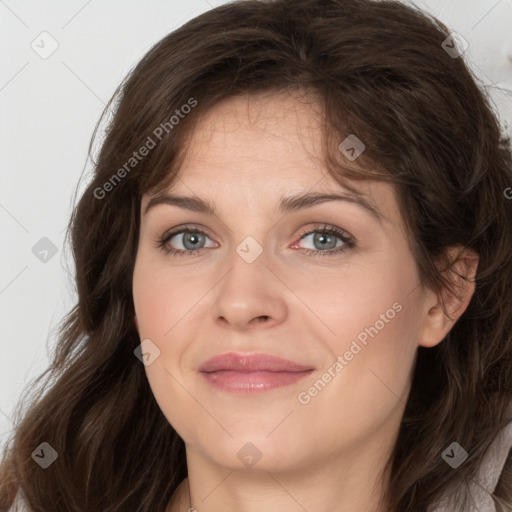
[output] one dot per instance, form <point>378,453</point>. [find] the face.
<point>328,285</point>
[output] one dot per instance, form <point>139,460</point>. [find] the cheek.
<point>161,297</point>
<point>373,315</point>
<point>370,301</point>
<point>163,302</point>
<point>366,383</point>
<point>376,323</point>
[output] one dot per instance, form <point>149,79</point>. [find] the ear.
<point>436,323</point>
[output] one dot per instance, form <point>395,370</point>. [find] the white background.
<point>49,108</point>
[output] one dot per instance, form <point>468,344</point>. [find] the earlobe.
<point>438,320</point>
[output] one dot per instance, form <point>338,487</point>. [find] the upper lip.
<point>251,363</point>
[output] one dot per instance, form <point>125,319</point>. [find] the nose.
<point>249,295</point>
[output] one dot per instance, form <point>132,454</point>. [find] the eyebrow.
<point>286,205</point>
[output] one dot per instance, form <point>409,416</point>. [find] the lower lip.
<point>252,382</point>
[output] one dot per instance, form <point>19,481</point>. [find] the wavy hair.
<point>380,71</point>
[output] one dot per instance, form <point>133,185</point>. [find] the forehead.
<point>266,112</point>
<point>256,139</point>
<point>254,130</point>
<point>264,147</point>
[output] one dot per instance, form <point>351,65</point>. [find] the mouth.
<point>252,373</point>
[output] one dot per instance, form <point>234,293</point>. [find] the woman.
<point>220,356</point>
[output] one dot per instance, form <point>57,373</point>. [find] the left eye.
<point>328,241</point>
<point>325,236</point>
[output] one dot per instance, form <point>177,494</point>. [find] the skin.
<point>327,455</point>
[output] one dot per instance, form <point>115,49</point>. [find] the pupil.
<point>192,236</point>
<point>322,238</point>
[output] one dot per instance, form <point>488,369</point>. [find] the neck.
<point>330,487</point>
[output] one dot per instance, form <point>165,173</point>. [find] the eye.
<point>192,241</point>
<point>327,237</point>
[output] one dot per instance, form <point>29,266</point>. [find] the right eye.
<point>191,237</point>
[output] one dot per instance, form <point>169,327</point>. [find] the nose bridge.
<point>247,261</point>
<point>250,249</point>
<point>250,232</point>
<point>248,290</point>
<point>253,240</point>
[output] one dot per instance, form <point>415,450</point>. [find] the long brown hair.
<point>381,71</point>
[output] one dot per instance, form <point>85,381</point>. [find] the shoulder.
<point>19,504</point>
<point>489,473</point>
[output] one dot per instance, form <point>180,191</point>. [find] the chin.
<point>257,453</point>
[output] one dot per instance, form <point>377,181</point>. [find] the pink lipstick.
<point>251,373</point>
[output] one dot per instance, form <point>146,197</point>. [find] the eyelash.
<point>325,229</point>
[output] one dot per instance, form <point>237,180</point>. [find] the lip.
<point>251,373</point>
